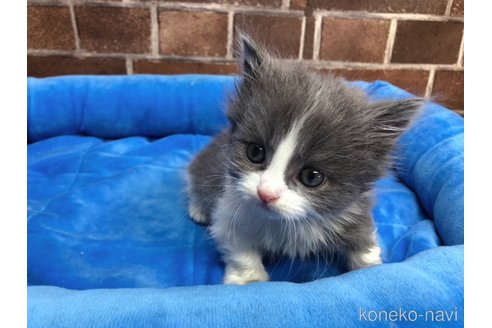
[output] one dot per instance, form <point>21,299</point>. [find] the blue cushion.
<point>110,242</point>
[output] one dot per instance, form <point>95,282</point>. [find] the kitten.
<point>293,173</point>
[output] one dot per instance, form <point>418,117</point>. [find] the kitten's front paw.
<point>197,214</point>
<point>359,260</point>
<point>244,276</point>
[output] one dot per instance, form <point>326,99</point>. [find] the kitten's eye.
<point>311,177</point>
<point>255,153</point>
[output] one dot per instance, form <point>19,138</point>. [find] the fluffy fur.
<point>302,120</point>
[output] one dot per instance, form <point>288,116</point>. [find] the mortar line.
<point>230,35</point>
<point>74,25</point>
<point>154,30</point>
<point>301,41</point>
<point>430,83</point>
<point>312,63</point>
<point>391,41</point>
<point>266,11</point>
<point>462,50</point>
<point>227,8</point>
<point>449,6</point>
<point>185,6</point>
<point>132,56</point>
<point>396,66</point>
<point>317,36</point>
<point>129,66</point>
<point>61,3</point>
<point>399,16</point>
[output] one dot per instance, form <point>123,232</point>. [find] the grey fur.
<point>344,135</point>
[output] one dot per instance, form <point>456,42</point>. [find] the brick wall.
<point>415,44</point>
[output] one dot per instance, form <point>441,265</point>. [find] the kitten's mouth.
<point>255,200</point>
<point>268,207</point>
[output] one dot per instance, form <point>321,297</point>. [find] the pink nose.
<point>267,196</point>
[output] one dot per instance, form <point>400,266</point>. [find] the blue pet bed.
<point>110,243</point>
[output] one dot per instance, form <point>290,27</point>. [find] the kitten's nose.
<point>267,196</point>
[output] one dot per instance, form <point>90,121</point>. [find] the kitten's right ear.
<point>390,119</point>
<point>251,56</point>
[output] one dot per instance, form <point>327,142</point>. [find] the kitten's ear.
<point>251,56</point>
<point>392,118</point>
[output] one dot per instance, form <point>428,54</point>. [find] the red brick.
<point>49,28</point>
<point>191,33</point>
<point>298,4</point>
<point>436,7</point>
<point>427,42</point>
<point>280,34</point>
<point>414,81</point>
<point>449,89</point>
<point>183,67</point>
<point>111,29</point>
<point>358,40</point>
<point>458,8</point>
<point>41,66</point>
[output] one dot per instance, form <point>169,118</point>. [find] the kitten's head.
<point>303,144</point>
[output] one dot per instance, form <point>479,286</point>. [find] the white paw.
<point>244,276</point>
<point>197,214</point>
<point>364,259</point>
<point>372,257</point>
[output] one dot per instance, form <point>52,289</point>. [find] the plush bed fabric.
<point>110,242</point>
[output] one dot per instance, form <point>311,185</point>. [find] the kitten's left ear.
<point>392,118</point>
<point>251,56</point>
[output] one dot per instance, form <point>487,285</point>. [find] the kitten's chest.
<point>247,222</point>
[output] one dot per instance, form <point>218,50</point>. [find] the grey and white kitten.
<point>293,173</point>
